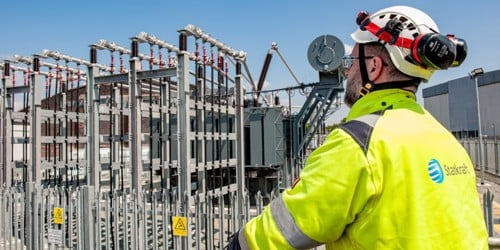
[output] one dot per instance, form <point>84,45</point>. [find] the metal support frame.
<point>135,143</point>
<point>183,131</point>
<point>240,156</point>
<point>92,151</point>
<point>34,170</point>
<point>8,165</point>
<point>166,140</point>
<point>213,123</point>
<point>3,168</point>
<point>313,112</point>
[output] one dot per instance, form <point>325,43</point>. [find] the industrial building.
<point>455,104</point>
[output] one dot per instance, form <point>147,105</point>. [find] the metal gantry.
<point>126,146</point>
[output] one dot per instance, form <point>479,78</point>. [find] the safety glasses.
<point>348,61</point>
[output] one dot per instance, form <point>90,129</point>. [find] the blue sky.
<point>70,26</point>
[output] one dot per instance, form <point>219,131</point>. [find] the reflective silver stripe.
<point>369,119</point>
<point>361,128</point>
<point>242,239</point>
<point>292,233</point>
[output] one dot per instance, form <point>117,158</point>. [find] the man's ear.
<point>375,67</point>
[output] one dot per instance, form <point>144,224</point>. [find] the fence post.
<point>88,197</point>
<point>220,200</point>
<point>258,202</point>
<point>125,220</point>
<point>4,215</point>
<point>135,223</point>
<point>30,213</point>
<point>488,211</point>
<point>484,154</point>
<point>198,221</point>
<point>495,151</point>
<point>97,225</point>
<point>246,203</point>
<point>154,218</point>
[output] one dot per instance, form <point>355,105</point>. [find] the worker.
<point>391,176</point>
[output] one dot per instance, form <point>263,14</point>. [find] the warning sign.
<point>58,215</point>
<point>179,226</point>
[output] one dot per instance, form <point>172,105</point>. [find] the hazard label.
<point>179,226</point>
<point>58,215</point>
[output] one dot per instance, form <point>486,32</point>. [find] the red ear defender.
<point>414,51</point>
<point>438,51</point>
<point>461,46</point>
<point>431,50</point>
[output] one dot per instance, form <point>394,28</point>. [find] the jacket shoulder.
<point>361,128</point>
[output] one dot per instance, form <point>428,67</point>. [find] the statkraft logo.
<point>435,171</point>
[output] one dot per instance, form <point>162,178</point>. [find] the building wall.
<point>438,106</point>
<point>462,103</point>
<point>454,103</point>
<point>490,108</point>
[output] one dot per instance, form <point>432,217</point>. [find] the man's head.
<point>379,67</point>
<point>398,22</point>
<point>398,44</point>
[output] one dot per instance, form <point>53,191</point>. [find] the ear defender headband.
<point>432,50</point>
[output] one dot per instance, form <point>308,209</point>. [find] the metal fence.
<point>83,219</point>
<point>112,155</point>
<point>486,160</point>
<point>486,156</point>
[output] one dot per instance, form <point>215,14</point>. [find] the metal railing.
<point>80,218</point>
<point>487,161</point>
<point>489,157</point>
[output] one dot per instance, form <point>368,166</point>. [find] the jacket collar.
<point>382,100</point>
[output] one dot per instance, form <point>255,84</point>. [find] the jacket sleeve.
<point>234,242</point>
<point>334,187</point>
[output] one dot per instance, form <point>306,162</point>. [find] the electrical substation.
<point>151,145</point>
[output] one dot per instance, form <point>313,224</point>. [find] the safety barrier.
<point>489,157</point>
<point>79,218</point>
<point>486,161</point>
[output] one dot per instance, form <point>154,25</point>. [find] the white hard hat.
<point>414,23</point>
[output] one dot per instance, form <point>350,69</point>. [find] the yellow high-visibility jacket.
<point>391,177</point>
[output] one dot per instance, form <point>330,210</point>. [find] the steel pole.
<point>480,133</point>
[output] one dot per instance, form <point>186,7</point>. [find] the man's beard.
<point>352,93</point>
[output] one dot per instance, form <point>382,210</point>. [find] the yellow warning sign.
<point>58,215</point>
<point>179,226</point>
